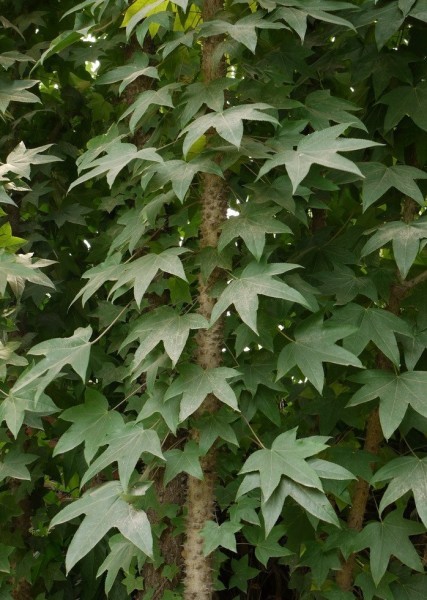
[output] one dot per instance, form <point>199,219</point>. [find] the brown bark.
<point>200,499</point>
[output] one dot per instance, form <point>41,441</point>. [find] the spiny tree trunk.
<point>200,500</point>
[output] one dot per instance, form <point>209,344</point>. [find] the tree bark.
<point>213,202</point>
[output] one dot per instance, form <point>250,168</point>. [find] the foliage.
<point>108,131</point>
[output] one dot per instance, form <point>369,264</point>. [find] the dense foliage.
<point>213,273</point>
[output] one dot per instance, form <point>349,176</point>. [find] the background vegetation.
<point>213,299</point>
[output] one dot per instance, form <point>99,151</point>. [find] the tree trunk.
<point>200,500</point>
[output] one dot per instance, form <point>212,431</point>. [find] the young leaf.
<point>321,148</point>
<point>195,383</point>
<point>58,352</point>
<point>407,473</point>
<point>314,344</point>
<point>91,422</point>
<point>223,535</point>
<point>125,447</point>
<point>396,392</point>
<point>104,508</point>
<point>166,325</point>
<point>389,538</point>
<point>256,279</point>
<point>122,552</point>
<point>183,461</point>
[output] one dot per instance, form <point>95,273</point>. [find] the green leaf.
<point>128,73</point>
<point>216,426</point>
<point>20,160</point>
<point>104,508</point>
<point>223,535</point>
<point>255,279</point>
<point>243,31</point>
<point>118,156</point>
<point>160,97</point>
<point>58,352</point>
<point>406,239</point>
<point>163,325</point>
<point>14,407</point>
<point>297,17</point>
<point>315,344</point>
<point>379,179</point>
<point>228,124</point>
<point>267,547</point>
<point>321,148</point>
<point>13,464</point>
<point>5,551</point>
<point>183,461</point>
<point>210,93</point>
<point>121,555</point>
<point>321,109</point>
<point>413,587</point>
<point>16,91</point>
<point>406,101</point>
<point>389,538</point>
<point>242,573</point>
<point>125,447</point>
<point>15,269</point>
<point>108,270</point>
<point>252,223</point>
<point>319,561</point>
<point>141,272</point>
<point>181,173</point>
<point>407,473</point>
<point>396,392</point>
<point>286,458</point>
<point>91,422</point>
<point>372,324</point>
<point>195,383</point>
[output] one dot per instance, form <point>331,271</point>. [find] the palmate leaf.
<point>406,100</point>
<point>108,270</point>
<point>407,473</point>
<point>125,447</point>
<point>160,97</point>
<point>122,552</point>
<point>58,352</point>
<point>166,325</point>
<point>183,461</point>
<point>180,173</point>
<point>141,272</point>
<point>371,324</point>
<point>118,156</point>
<point>315,344</point>
<point>16,269</point>
<point>16,91</point>
<point>251,225</point>
<point>195,383</point>
<point>128,73</point>
<point>104,508</point>
<point>243,31</point>
<point>14,464</point>
<point>321,148</point>
<point>228,123</point>
<point>210,93</point>
<point>21,159</point>
<point>14,407</point>
<point>406,240</point>
<point>389,538</point>
<point>395,391</point>
<point>287,457</point>
<point>320,108</point>
<point>256,279</point>
<point>91,422</point>
<point>380,178</point>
